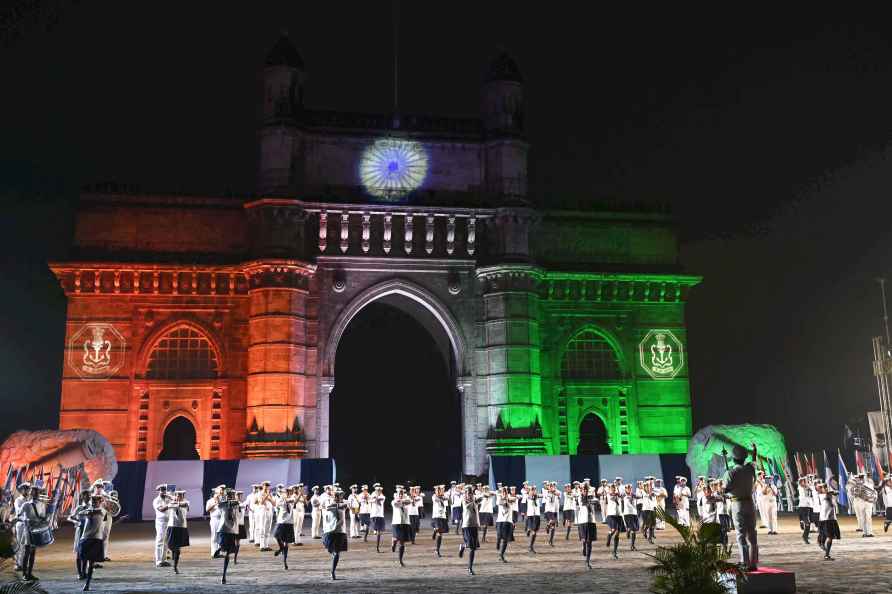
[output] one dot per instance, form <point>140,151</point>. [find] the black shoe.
<point>106,559</point>
<point>588,565</point>
<point>86,588</point>
<point>438,554</point>
<point>286,567</point>
<point>470,571</point>
<point>402,564</point>
<point>223,581</point>
<point>164,564</point>
<point>176,571</point>
<point>886,527</point>
<point>277,553</point>
<point>461,551</point>
<point>333,578</point>
<point>532,550</point>
<point>828,558</point>
<point>502,557</point>
<point>633,548</point>
<point>97,566</point>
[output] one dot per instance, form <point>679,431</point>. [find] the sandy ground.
<point>862,565</point>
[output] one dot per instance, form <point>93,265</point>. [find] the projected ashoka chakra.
<point>391,168</point>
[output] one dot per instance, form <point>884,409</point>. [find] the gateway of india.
<point>220,317</point>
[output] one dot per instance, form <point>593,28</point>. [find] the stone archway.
<point>593,436</point>
<point>179,440</point>
<point>431,312</point>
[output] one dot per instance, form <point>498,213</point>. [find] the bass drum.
<point>41,537</point>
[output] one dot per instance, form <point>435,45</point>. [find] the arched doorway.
<point>592,436</point>
<point>179,441</point>
<point>395,415</point>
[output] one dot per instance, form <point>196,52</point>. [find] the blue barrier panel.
<point>219,472</point>
<point>130,485</point>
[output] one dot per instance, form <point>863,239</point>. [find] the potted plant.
<point>699,563</point>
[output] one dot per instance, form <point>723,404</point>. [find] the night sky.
<point>768,134</point>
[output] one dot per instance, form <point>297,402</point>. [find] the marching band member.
<point>284,532</point>
<point>586,499</point>
<point>816,501</point>
<point>108,492</point>
<point>315,513</point>
<point>90,548</point>
<point>177,535</point>
<point>614,517</point>
<point>334,536</point>
<point>365,511</point>
<point>769,503</point>
<point>24,494</point>
<point>805,508</point>
<point>630,514</point>
<point>251,512</point>
<point>77,518</point>
<point>862,506</point>
<point>682,497</point>
<point>35,515</point>
<point>758,492</point>
<point>162,517</point>
<point>226,538</point>
<point>267,506</point>
<point>661,494</point>
<point>504,521</point>
<point>716,496</point>
<point>456,493</point>
<point>602,500</point>
<point>569,507</point>
<point>212,507</point>
<point>414,520</point>
<point>470,526</point>
<point>886,491</point>
<point>486,509</point>
<point>534,518</point>
<point>648,511</point>
<point>241,517</point>
<point>353,506</point>
<point>724,512</point>
<point>402,530</point>
<point>522,503</point>
<point>515,506</point>
<point>552,503</point>
<point>699,495</point>
<point>829,527</point>
<point>440,504</point>
<point>298,513</point>
<point>376,505</point>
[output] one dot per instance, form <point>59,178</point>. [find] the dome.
<point>284,53</point>
<point>503,67</point>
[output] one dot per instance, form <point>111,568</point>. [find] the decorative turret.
<point>503,121</point>
<point>503,108</point>
<point>283,79</point>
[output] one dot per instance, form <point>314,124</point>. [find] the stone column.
<point>508,360</point>
<point>281,390</point>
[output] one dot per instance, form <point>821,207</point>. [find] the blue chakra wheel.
<point>392,168</point>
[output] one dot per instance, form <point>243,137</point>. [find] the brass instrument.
<point>863,491</point>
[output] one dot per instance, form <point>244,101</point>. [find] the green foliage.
<point>693,565</point>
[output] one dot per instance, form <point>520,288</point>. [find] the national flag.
<point>843,479</point>
<point>798,464</point>
<point>814,467</point>
<point>859,462</point>
<point>872,468</point>
<point>828,474</point>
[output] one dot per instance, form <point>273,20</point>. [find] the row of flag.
<point>865,462</point>
<point>62,488</point>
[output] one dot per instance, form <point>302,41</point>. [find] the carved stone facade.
<point>228,311</point>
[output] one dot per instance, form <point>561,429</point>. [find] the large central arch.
<point>407,289</point>
<point>420,298</point>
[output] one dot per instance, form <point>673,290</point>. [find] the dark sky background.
<point>768,134</point>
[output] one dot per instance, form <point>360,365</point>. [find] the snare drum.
<point>41,536</point>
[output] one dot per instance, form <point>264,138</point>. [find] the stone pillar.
<point>281,391</point>
<point>508,360</point>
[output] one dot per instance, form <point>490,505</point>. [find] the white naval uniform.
<point>249,512</point>
<point>661,494</point>
<point>683,507</point>
<point>265,515</point>
<point>770,504</point>
<point>864,513</point>
<point>216,516</point>
<point>760,502</point>
<point>159,504</point>
<point>316,516</point>
<point>300,510</point>
<point>353,503</point>
<point>19,528</point>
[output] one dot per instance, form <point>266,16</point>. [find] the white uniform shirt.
<point>177,514</point>
<point>648,501</point>
<point>828,507</point>
<point>486,503</point>
<point>439,506</point>
<point>887,496</point>
<point>629,505</point>
<point>159,504</point>
<point>614,505</point>
<point>376,505</point>
<point>333,518</point>
<point>684,495</point>
<point>569,501</point>
<point>505,509</point>
<point>284,510</point>
<point>805,498</point>
<point>400,506</point>
<point>584,508</point>
<point>533,505</point>
<point>470,517</point>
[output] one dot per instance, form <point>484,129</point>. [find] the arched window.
<point>590,357</point>
<point>183,353</point>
